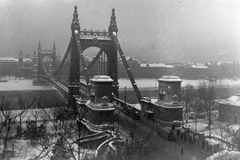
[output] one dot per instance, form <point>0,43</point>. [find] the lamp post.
<point>125,94</point>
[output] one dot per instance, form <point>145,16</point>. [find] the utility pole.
<point>125,94</point>
<point>78,121</point>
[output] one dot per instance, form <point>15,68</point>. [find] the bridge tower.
<point>20,57</point>
<point>100,39</point>
<point>35,61</point>
<point>54,57</point>
<point>74,58</point>
<point>47,53</point>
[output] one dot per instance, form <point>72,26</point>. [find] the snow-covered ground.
<point>25,151</point>
<point>225,155</point>
<point>23,148</point>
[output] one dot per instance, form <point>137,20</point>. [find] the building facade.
<point>229,110</point>
<point>18,67</point>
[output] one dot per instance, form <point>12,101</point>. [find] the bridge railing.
<point>95,135</point>
<point>105,145</point>
<point>120,103</point>
<point>95,34</point>
<point>63,90</point>
<point>83,89</point>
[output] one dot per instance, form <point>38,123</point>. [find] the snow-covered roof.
<point>197,66</point>
<point>224,62</point>
<point>129,59</point>
<point>8,59</point>
<point>212,141</point>
<point>156,65</point>
<point>170,78</point>
<point>27,60</point>
<point>234,101</point>
<point>101,78</point>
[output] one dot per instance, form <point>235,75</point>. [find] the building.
<point>229,109</point>
<point>187,70</point>
<point>19,67</point>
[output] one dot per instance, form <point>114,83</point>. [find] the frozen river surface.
<point>16,85</point>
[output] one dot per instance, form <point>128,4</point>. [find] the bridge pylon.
<point>46,53</point>
<point>73,83</point>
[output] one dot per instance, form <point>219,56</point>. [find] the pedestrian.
<point>173,126</point>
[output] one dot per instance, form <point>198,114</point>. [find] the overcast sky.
<point>157,30</point>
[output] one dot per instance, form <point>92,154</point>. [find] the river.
<point>153,83</point>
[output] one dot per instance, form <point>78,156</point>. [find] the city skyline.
<point>167,31</point>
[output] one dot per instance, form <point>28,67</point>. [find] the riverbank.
<point>153,83</point>
<point>149,88</point>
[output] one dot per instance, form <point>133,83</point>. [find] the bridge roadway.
<point>165,149</point>
<point>61,86</point>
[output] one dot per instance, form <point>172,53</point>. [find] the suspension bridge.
<point>104,63</point>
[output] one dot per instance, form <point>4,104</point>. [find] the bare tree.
<point>10,131</point>
<point>188,96</point>
<point>208,94</point>
<point>197,109</point>
<point>61,135</point>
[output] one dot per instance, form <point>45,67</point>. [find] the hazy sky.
<point>158,30</point>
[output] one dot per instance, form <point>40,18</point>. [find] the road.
<point>166,150</point>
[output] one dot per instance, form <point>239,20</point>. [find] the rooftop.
<point>8,59</point>
<point>101,78</point>
<point>100,106</point>
<point>196,66</point>
<point>170,78</point>
<point>233,100</point>
<point>159,65</point>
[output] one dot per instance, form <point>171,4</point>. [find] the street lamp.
<point>125,94</point>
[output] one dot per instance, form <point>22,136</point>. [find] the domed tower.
<point>34,60</point>
<point>20,57</point>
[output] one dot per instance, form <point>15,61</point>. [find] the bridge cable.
<point>93,61</point>
<point>127,67</point>
<point>63,61</point>
<point>42,67</point>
